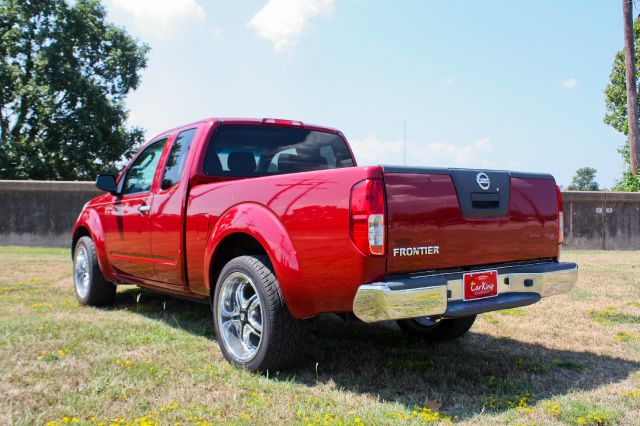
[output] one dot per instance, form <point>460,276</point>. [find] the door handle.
<point>144,209</point>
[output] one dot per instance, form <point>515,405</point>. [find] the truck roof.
<point>254,121</point>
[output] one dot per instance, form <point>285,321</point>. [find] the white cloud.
<point>371,151</point>
<point>282,21</point>
<point>216,32</point>
<point>449,80</point>
<point>160,18</point>
<point>569,83</point>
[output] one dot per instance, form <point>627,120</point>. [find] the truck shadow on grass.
<point>477,373</point>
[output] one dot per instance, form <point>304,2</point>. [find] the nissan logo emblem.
<point>483,180</point>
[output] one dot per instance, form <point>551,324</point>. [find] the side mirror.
<point>107,183</point>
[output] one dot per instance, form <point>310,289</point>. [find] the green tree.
<point>616,104</point>
<point>64,75</point>
<point>584,180</point>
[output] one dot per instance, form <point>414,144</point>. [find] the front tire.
<point>90,286</point>
<point>437,330</point>
<point>253,326</point>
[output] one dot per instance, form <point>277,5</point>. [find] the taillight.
<point>279,122</point>
<point>560,216</point>
<point>367,216</point>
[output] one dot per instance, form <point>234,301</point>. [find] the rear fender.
<point>90,220</point>
<point>264,226</point>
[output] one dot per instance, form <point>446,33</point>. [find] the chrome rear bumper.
<point>441,294</point>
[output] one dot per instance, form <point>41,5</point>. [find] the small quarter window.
<point>177,158</point>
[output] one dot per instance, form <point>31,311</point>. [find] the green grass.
<point>581,294</point>
<point>611,316</point>
<point>514,312</point>
<point>568,364</point>
<point>585,413</point>
<point>154,360</point>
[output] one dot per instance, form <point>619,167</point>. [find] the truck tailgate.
<point>449,218</point>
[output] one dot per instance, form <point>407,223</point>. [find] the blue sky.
<point>479,84</point>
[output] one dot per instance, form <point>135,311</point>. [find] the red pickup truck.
<point>271,222</point>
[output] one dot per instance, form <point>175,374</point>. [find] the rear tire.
<point>90,286</point>
<point>253,326</point>
<point>439,330</point>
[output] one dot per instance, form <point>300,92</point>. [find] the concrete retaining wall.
<point>35,213</point>
<point>602,220</point>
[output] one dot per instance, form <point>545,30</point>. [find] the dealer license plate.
<point>479,285</point>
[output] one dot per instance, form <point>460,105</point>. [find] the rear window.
<point>250,151</point>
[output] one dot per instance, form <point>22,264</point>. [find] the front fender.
<point>263,225</point>
<point>90,220</point>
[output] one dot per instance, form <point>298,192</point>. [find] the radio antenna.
<point>404,144</point>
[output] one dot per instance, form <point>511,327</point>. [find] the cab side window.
<point>177,157</point>
<point>140,174</point>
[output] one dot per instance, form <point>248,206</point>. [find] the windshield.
<point>250,151</point>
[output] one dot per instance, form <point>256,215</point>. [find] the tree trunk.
<point>632,92</point>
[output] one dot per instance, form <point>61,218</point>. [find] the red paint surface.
<point>423,211</point>
<point>302,221</point>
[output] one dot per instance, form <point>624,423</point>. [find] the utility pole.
<point>404,144</point>
<point>632,91</point>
